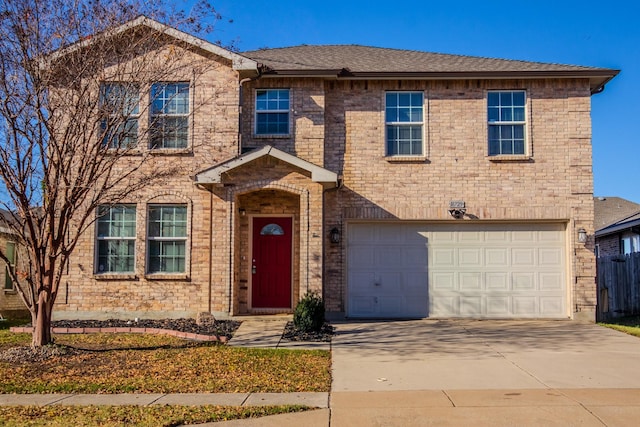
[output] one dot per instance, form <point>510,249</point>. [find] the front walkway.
<point>266,332</point>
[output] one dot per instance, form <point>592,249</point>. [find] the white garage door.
<point>400,270</point>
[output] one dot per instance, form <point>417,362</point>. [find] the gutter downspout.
<point>240,102</point>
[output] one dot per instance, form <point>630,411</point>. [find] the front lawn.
<point>141,416</point>
<point>133,363</point>
<point>629,325</point>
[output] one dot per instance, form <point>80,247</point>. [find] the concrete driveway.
<point>482,355</point>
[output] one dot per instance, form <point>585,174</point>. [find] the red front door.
<point>271,263</point>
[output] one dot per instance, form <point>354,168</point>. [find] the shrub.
<point>309,313</point>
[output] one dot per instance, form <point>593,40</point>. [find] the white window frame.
<point>157,117</point>
<point>499,123</point>
<point>629,243</point>
<point>120,112</point>
<point>101,238</point>
<point>167,239</point>
<point>398,124</point>
<point>267,111</point>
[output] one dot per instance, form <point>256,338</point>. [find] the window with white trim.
<point>167,238</point>
<point>116,239</point>
<point>119,102</point>
<point>404,120</point>
<point>507,121</point>
<point>272,112</point>
<point>629,243</point>
<point>12,256</point>
<point>169,115</point>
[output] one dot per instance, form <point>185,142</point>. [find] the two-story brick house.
<point>395,183</point>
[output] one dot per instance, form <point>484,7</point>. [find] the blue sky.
<point>570,32</point>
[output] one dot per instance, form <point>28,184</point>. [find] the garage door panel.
<point>525,306</point>
<point>457,270</point>
<point>523,257</point>
<point>550,257</point>
<point>361,282</point>
<point>362,257</point>
<point>523,281</point>
<point>551,306</point>
<point>471,281</point>
<point>471,236</point>
<point>389,256</point>
<point>551,282</point>
<point>443,305</point>
<point>415,282</point>
<point>497,236</point>
<point>415,258</point>
<point>497,281</point>
<point>362,304</point>
<point>471,306</point>
<point>471,257</point>
<point>389,282</point>
<point>523,236</point>
<point>444,257</point>
<point>389,305</point>
<point>498,257</point>
<point>498,306</point>
<point>444,280</point>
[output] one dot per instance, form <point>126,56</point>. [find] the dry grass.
<point>131,363</point>
<point>142,416</point>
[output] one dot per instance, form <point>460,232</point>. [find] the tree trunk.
<point>42,323</point>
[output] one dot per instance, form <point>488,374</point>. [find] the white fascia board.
<point>214,175</point>
<point>239,62</point>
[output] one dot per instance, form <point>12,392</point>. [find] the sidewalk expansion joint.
<point>449,398</point>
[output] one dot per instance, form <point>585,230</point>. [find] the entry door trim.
<point>250,263</point>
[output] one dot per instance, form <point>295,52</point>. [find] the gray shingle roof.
<point>366,61</point>
<point>613,210</point>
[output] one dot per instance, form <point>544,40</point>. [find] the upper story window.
<point>506,117</point>
<point>167,238</point>
<point>404,121</point>
<point>169,115</point>
<point>12,256</point>
<point>120,105</point>
<point>272,112</point>
<point>629,243</point>
<point>116,237</point>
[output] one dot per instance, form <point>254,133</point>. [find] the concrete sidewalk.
<point>521,407</point>
<point>318,400</point>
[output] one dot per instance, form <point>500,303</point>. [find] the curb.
<point>156,331</point>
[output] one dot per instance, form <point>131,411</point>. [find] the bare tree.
<point>70,77</point>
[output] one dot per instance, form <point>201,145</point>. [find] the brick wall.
<point>609,245</point>
<point>340,125</point>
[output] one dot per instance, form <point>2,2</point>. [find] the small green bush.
<point>309,313</point>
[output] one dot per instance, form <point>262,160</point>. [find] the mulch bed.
<point>293,334</point>
<point>219,328</point>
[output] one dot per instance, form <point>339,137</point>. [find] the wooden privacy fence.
<point>618,286</point>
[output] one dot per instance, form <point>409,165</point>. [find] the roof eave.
<point>239,62</point>
<point>597,77</point>
<point>616,228</point>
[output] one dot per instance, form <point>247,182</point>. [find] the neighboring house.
<point>395,183</point>
<point>617,225</point>
<point>11,305</point>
